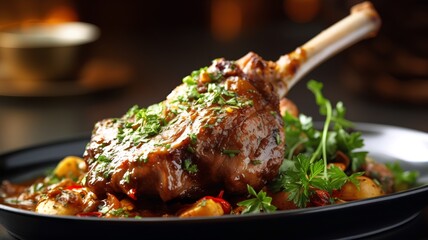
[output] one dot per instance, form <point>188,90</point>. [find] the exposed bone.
<point>363,22</point>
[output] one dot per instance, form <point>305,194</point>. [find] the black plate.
<point>349,220</point>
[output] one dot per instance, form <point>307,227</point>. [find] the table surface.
<point>156,64</point>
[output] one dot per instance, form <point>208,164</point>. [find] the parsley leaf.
<point>189,166</point>
<point>231,152</point>
<point>309,151</point>
<point>298,178</point>
<point>260,203</point>
<point>402,179</point>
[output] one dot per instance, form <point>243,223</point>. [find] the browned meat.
<point>219,130</point>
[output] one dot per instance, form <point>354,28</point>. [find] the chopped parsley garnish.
<point>103,158</point>
<point>256,162</point>
<point>142,123</point>
<point>143,158</point>
<point>216,95</point>
<point>127,177</point>
<point>193,78</point>
<point>117,212</point>
<point>193,138</point>
<point>189,166</point>
<point>103,167</point>
<point>278,138</point>
<point>202,89</point>
<point>120,212</point>
<point>231,152</point>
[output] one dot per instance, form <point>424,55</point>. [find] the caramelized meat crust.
<point>219,130</point>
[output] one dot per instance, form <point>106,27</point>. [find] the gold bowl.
<point>44,51</point>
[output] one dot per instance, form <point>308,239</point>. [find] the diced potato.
<point>64,203</point>
<point>71,167</point>
<point>67,201</point>
<point>368,189</point>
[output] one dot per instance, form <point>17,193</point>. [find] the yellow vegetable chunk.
<point>60,201</point>
<point>203,207</point>
<point>367,189</point>
<point>70,167</point>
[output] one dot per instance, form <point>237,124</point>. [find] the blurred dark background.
<point>147,47</point>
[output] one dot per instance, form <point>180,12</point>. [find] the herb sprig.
<point>259,203</point>
<point>306,168</point>
<point>402,179</point>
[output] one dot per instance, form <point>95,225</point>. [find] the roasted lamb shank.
<point>221,129</point>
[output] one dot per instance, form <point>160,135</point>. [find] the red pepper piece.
<point>219,199</point>
<point>131,193</point>
<point>76,186</point>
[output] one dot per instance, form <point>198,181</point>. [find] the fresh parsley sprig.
<point>402,179</point>
<point>259,203</point>
<point>309,150</point>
